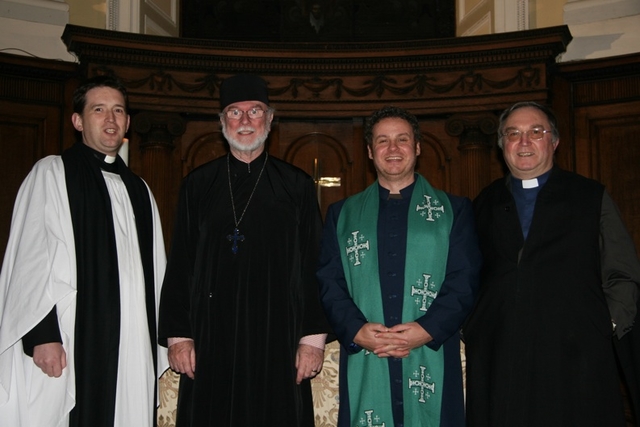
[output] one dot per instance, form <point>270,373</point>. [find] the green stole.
<point>429,225</point>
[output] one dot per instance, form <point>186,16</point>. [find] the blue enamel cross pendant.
<point>235,238</point>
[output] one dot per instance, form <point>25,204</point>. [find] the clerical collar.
<point>104,161</point>
<point>405,193</point>
<point>242,167</point>
<point>528,184</point>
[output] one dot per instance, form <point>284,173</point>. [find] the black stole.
<point>97,325</point>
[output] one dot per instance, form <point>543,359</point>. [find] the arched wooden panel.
<point>324,158</point>
<point>434,163</point>
<point>203,149</point>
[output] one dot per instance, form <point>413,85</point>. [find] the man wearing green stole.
<point>398,275</point>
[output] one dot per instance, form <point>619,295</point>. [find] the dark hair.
<point>391,112</point>
<point>551,118</point>
<point>80,94</point>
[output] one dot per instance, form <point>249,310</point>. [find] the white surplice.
<point>39,271</point>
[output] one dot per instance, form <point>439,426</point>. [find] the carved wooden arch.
<point>333,160</point>
<point>334,144</point>
<point>195,154</point>
<point>434,163</point>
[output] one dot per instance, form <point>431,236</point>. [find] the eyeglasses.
<point>236,114</point>
<point>534,134</point>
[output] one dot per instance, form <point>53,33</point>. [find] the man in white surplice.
<point>80,282</point>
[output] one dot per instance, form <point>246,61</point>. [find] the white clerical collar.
<point>530,183</point>
<point>109,159</point>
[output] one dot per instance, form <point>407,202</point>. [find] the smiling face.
<point>394,151</point>
<point>246,135</point>
<point>103,121</point>
<point>526,158</point>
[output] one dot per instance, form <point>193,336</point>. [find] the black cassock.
<point>539,341</point>
<point>245,311</point>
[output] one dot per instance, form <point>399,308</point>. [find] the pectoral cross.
<point>235,237</point>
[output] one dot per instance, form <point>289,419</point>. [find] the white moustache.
<point>245,129</point>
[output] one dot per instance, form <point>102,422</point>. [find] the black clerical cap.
<point>243,87</point>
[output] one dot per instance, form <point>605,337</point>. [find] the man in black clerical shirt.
<point>240,310</point>
<point>558,289</point>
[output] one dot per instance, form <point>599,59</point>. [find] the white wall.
<point>602,28</point>
<point>34,28</point>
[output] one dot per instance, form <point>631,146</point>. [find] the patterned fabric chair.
<point>324,388</point>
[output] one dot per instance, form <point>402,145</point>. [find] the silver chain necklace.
<point>236,236</point>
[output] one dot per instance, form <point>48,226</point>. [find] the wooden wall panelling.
<point>325,150</point>
<point>35,121</point>
<point>476,137</point>
<point>22,135</point>
<point>154,158</point>
<point>608,150</point>
<point>314,86</point>
<point>560,101</point>
<point>605,128</point>
<point>439,158</point>
<point>201,142</point>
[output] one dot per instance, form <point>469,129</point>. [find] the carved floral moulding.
<point>195,93</point>
<point>432,75</point>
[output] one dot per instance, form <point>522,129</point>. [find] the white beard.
<point>237,145</point>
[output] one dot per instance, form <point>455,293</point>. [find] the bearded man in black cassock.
<point>240,310</point>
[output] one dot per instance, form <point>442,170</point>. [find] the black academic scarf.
<point>97,326</point>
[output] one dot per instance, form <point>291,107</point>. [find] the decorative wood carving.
<point>328,79</point>
<point>477,136</point>
<point>323,91</point>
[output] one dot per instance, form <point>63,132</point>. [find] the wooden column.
<point>477,136</point>
<point>157,134</point>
